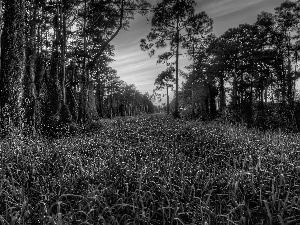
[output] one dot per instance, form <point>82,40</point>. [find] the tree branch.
<point>101,50</point>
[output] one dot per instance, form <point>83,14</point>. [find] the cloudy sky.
<point>136,67</point>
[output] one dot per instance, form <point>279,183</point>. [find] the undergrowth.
<point>152,170</point>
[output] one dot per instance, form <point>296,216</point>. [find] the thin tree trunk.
<point>289,77</point>
<point>266,94</point>
<point>176,113</point>
<point>0,36</point>
<point>99,98</point>
<point>84,75</point>
<point>168,105</point>
<point>295,70</point>
<point>250,110</point>
<point>31,95</point>
<point>63,53</point>
<point>193,107</point>
<point>111,102</point>
<point>283,82</point>
<point>234,88</point>
<point>222,92</point>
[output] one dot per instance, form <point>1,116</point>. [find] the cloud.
<point>219,8</point>
<point>136,67</point>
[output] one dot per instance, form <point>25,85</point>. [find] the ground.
<point>152,169</point>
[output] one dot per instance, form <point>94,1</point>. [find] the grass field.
<point>152,170</point>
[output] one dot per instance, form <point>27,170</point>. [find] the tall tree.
<point>171,22</point>
<point>1,23</point>
<point>13,63</point>
<point>32,101</point>
<point>287,22</point>
<point>197,45</point>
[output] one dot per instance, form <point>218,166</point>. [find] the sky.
<point>134,66</point>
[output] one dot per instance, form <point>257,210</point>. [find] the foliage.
<point>250,66</point>
<point>165,78</point>
<point>152,170</point>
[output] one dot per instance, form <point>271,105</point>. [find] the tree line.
<point>55,57</point>
<point>251,70</point>
<point>248,74</point>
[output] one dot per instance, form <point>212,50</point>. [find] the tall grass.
<point>152,170</point>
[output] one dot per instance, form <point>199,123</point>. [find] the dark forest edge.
<point>55,77</point>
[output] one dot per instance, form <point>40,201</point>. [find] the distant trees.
<point>121,99</point>
<point>165,80</point>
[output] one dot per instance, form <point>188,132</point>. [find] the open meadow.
<point>152,170</point>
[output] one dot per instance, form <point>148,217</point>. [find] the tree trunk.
<point>283,80</point>
<point>266,95</point>
<point>234,96</point>
<point>222,93</point>
<point>250,108</point>
<point>0,36</point>
<point>176,113</point>
<point>168,104</point>
<point>99,97</point>
<point>110,108</point>
<point>212,101</point>
<point>289,77</point>
<point>84,91</point>
<point>63,53</point>
<point>295,71</point>
<point>31,99</point>
<point>13,63</point>
<point>65,113</point>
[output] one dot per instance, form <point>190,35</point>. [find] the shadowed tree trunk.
<point>99,97</point>
<point>13,63</point>
<point>168,104</point>
<point>176,113</point>
<point>0,32</point>
<point>222,92</point>
<point>30,93</point>
<point>83,90</point>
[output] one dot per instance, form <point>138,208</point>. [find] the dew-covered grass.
<point>152,170</point>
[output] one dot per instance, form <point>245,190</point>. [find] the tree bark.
<point>32,112</point>
<point>84,82</point>
<point>13,63</point>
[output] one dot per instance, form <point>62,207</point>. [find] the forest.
<point>55,59</point>
<point>55,72</point>
<point>250,72</point>
<point>78,145</point>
